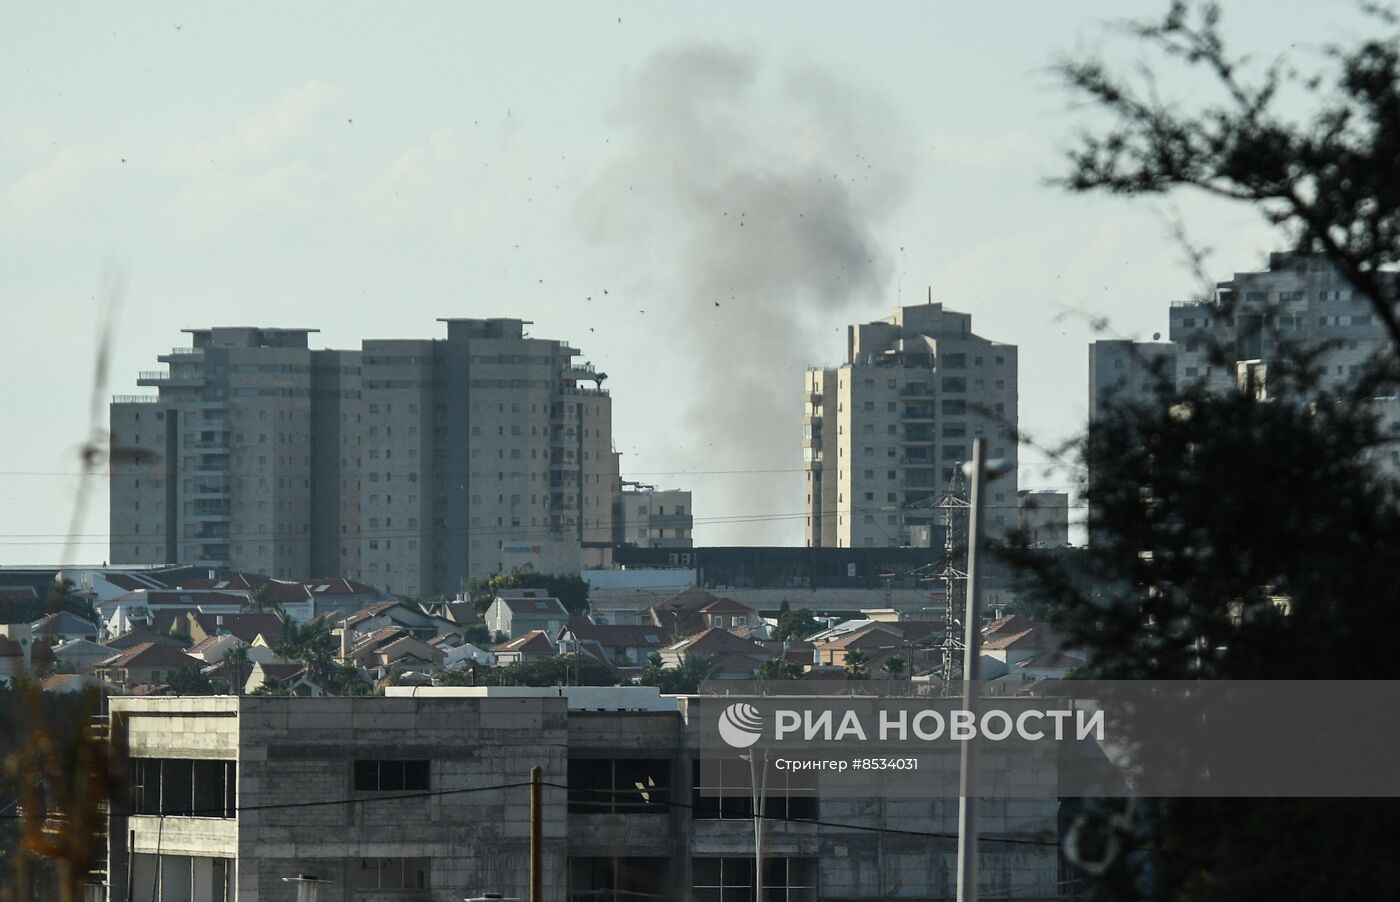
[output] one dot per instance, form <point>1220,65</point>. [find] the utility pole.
<point>972,647</point>
<point>536,838</point>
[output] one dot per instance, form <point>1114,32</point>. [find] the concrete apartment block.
<point>1299,300</point>
<point>1044,517</point>
<point>1127,371</point>
<point>412,465</point>
<point>649,517</point>
<point>417,795</point>
<point>886,432</point>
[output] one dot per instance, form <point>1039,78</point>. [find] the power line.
<point>439,793</point>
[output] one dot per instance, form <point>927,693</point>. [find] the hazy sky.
<point>366,168</point>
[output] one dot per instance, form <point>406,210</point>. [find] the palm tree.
<point>894,666</point>
<point>778,669</point>
<point>857,664</point>
<point>237,659</point>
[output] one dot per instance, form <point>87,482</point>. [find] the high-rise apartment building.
<point>886,432</point>
<point>408,464</point>
<point>1300,300</point>
<point>1125,371</point>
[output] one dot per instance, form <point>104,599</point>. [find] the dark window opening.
<point>392,775</point>
<point>184,787</point>
<point>619,785</point>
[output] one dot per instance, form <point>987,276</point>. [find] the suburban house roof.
<point>872,635</point>
<point>404,646</point>
<point>613,635</point>
<point>63,622</point>
<point>726,606</point>
<point>1051,660</point>
<point>150,654</point>
<point>135,637</point>
<point>539,605</point>
<point>82,647</point>
<point>715,641</point>
<point>535,640</point>
<point>683,613</point>
<point>1035,636</point>
<point>132,581</point>
<point>381,609</point>
<point>281,672</point>
<point>338,586</point>
<point>245,626</point>
<point>176,598</point>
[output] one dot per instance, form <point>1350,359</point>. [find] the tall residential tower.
<point>409,464</point>
<point>886,432</point>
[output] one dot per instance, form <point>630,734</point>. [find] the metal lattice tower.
<point>955,506</point>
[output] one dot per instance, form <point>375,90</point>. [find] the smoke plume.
<point>747,198</point>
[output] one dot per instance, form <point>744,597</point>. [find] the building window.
<point>619,785</point>
<point>731,879</point>
<point>724,791</point>
<point>391,873</point>
<point>395,775</point>
<point>184,787</point>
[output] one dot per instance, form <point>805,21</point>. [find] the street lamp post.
<point>981,473</point>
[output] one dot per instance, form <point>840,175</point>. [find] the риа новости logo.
<point>740,725</point>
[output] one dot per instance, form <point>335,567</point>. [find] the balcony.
<point>917,390</point>
<point>920,412</point>
<point>918,437</point>
<point>135,399</point>
<point>182,353</point>
<point>671,521</point>
<point>568,389</point>
<point>917,462</point>
<point>160,377</point>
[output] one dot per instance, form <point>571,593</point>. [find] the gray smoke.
<point>746,201</point>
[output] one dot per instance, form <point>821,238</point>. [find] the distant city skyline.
<point>361,171</point>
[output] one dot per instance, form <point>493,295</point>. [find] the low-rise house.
<point>70,683</point>
<point>879,641</point>
<point>457,651</point>
<point>64,625</point>
<point>392,614</point>
<point>288,678</point>
<point>692,610</point>
<point>1009,641</point>
<point>530,647</point>
<point>730,656</point>
<point>1047,665</point>
<point>619,645</point>
<point>246,626</point>
<point>80,655</point>
<point>147,663</point>
<point>390,647</point>
<point>515,612</point>
<point>144,607</point>
<point>459,612</point>
<point>337,596</point>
